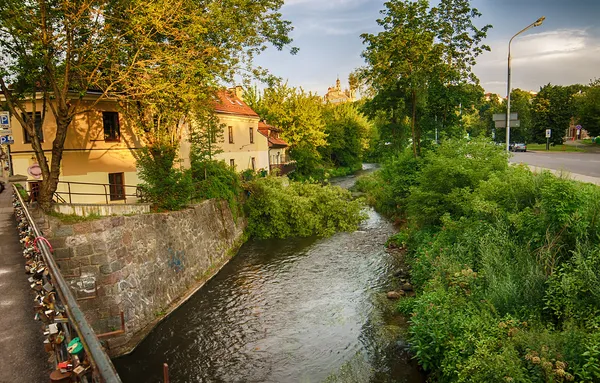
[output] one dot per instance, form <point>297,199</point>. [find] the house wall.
<point>241,150</point>
<point>86,157</point>
<point>277,155</point>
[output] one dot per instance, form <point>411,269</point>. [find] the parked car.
<point>518,147</point>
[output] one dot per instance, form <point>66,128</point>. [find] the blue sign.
<point>6,140</point>
<point>4,120</point>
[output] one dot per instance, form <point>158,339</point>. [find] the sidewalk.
<point>567,174</point>
<point>22,355</point>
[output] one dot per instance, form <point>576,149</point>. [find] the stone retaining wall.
<point>144,266</point>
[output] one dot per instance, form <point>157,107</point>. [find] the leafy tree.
<point>347,133</point>
<point>159,60</point>
<point>553,108</point>
<point>421,51</point>
<point>299,114</point>
<point>521,103</point>
<point>206,132</point>
<point>163,185</point>
<point>588,108</point>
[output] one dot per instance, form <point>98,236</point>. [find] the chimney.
<point>238,90</point>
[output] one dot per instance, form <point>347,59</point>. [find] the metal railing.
<point>109,192</point>
<point>102,368</point>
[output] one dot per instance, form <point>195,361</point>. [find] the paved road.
<point>579,163</point>
<point>22,356</point>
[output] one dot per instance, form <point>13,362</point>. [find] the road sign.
<point>548,133</point>
<point>4,120</point>
<point>502,123</point>
<point>6,132</point>
<point>502,117</point>
<point>6,140</point>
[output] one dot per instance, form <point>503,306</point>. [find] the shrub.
<point>505,263</point>
<point>276,210</point>
<point>164,186</point>
<point>214,179</point>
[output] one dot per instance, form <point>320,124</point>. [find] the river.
<point>294,310</point>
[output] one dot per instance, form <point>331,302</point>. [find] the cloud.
<point>564,56</point>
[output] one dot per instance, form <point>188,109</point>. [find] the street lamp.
<point>537,23</point>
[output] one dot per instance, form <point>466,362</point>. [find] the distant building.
<point>335,94</point>
<point>492,96</point>
<point>242,145</point>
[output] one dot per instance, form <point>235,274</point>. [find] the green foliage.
<point>505,263</point>
<point>277,210</point>
<point>347,131</point>
<point>164,186</point>
<point>214,179</point>
<point>449,174</point>
<point>587,106</point>
<point>205,135</point>
<point>553,108</point>
<point>419,65</point>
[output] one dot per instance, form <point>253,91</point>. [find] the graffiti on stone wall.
<point>84,286</point>
<point>176,260</point>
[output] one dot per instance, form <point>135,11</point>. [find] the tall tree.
<point>588,108</point>
<point>347,135</point>
<point>159,59</point>
<point>553,108</point>
<point>299,114</point>
<point>521,103</point>
<point>421,49</point>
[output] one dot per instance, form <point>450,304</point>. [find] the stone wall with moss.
<point>143,265</point>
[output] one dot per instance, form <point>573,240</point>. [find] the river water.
<point>294,310</point>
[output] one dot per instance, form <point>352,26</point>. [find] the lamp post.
<point>537,23</point>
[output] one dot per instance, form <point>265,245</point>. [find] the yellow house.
<point>242,146</point>
<point>98,165</point>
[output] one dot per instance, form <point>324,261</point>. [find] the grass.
<point>555,148</point>
<point>73,218</point>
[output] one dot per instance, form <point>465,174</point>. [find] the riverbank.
<point>505,262</point>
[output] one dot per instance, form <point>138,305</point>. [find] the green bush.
<point>505,263</point>
<point>214,179</point>
<point>277,210</point>
<point>163,185</point>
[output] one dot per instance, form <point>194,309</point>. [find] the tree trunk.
<point>412,123</point>
<point>52,175</point>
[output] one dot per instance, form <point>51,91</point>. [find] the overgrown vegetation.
<point>277,210</point>
<point>506,264</point>
<point>164,185</point>
<point>326,140</point>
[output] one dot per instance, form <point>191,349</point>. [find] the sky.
<point>564,50</point>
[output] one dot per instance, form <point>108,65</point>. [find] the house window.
<point>37,126</point>
<point>116,186</point>
<point>251,135</point>
<point>231,134</point>
<point>112,130</point>
<point>232,163</point>
<point>253,163</point>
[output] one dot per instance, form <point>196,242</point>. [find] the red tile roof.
<point>229,103</point>
<point>264,129</point>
